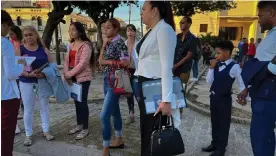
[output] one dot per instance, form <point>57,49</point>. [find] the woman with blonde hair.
<point>32,46</point>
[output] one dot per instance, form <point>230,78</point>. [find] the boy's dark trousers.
<point>220,107</point>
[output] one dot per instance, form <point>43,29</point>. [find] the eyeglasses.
<point>30,34</point>
<point>181,23</point>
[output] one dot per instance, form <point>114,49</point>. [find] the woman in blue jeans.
<point>113,49</point>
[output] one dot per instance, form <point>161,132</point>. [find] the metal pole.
<point>129,13</point>
<point>141,23</point>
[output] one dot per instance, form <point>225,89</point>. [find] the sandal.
<point>28,141</point>
<point>48,136</point>
<point>82,134</point>
<point>74,130</point>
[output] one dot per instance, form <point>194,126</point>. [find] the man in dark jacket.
<point>186,48</point>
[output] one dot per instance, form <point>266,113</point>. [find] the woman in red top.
<point>251,49</point>
<point>245,50</point>
<point>79,66</point>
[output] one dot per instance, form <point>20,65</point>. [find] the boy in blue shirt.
<point>221,76</point>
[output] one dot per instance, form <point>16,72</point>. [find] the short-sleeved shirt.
<point>182,49</point>
<point>116,50</point>
<point>266,50</point>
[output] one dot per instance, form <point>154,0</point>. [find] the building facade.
<point>232,24</point>
<point>35,13</point>
<point>25,16</point>
<point>74,17</point>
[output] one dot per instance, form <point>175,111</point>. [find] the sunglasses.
<point>30,34</point>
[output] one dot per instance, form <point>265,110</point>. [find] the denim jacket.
<point>53,84</point>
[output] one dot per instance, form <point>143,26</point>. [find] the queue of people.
<point>247,51</point>
<point>159,54</point>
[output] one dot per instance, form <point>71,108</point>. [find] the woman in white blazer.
<point>156,55</point>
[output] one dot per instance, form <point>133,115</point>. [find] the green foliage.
<point>122,32</point>
<point>189,8</point>
<point>92,31</point>
<point>100,10</point>
<point>209,38</point>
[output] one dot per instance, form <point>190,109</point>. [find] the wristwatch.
<point>273,61</point>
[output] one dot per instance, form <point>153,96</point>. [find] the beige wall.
<point>210,19</point>
<point>244,8</point>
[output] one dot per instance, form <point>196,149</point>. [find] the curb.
<point>206,112</point>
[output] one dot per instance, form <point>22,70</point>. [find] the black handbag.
<point>166,140</point>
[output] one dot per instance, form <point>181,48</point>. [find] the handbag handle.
<point>160,123</point>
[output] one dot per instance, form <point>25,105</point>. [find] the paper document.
<point>76,92</point>
<point>29,60</point>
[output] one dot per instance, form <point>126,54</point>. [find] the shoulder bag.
<point>121,83</point>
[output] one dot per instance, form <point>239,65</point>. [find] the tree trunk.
<point>100,39</point>
<point>57,47</point>
<point>48,32</point>
<point>54,18</point>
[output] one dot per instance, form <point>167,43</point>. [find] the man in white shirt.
<point>260,79</point>
<point>9,90</point>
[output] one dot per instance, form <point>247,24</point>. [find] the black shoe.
<point>217,153</point>
<point>117,147</point>
<point>209,148</point>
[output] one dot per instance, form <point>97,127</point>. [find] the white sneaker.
<point>17,130</point>
<point>195,79</point>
